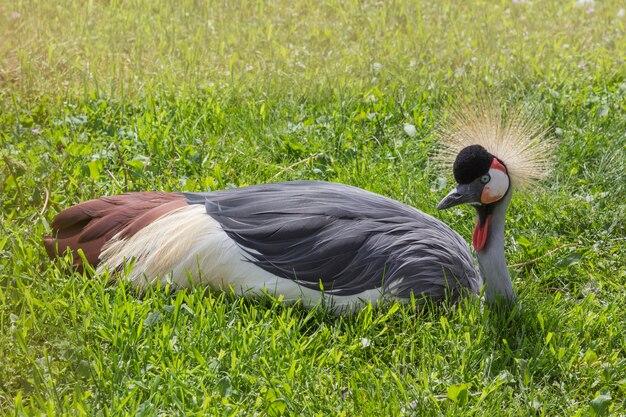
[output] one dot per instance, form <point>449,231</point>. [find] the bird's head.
<point>491,151</point>
<point>482,181</point>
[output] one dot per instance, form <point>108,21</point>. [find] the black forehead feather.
<point>472,162</point>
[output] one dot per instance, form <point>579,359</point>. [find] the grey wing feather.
<point>344,239</point>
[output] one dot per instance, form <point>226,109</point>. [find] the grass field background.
<point>103,97</point>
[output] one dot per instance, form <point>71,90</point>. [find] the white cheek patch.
<point>496,188</point>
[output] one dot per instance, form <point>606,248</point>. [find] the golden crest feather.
<point>515,137</point>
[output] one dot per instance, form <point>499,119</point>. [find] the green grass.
<point>104,97</point>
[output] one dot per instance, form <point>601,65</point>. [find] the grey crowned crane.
<point>314,241</point>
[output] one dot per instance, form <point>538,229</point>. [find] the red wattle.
<point>479,239</point>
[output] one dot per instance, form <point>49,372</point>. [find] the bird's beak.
<point>462,194</point>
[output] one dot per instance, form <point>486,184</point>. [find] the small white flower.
<point>584,2</point>
<point>410,129</point>
<point>620,13</point>
<point>365,342</point>
<point>376,67</point>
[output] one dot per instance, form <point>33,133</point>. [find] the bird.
<point>315,242</point>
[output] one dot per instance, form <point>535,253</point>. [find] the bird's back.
<point>343,239</point>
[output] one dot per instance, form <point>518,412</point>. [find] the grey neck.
<point>491,260</point>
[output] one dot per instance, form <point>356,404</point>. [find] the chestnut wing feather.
<point>89,225</point>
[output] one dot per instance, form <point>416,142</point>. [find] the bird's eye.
<point>485,179</point>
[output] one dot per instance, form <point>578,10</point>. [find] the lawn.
<point>104,97</point>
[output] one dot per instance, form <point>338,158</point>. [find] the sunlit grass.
<point>122,48</point>
<point>105,97</point>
